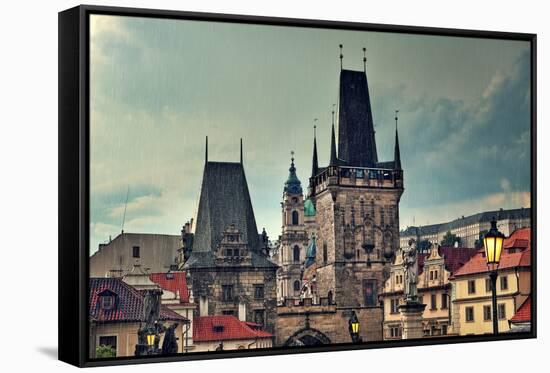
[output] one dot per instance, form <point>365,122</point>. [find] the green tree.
<point>449,239</point>
<point>103,351</point>
<point>479,242</point>
<point>423,245</point>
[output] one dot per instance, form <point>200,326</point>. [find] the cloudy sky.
<point>158,87</point>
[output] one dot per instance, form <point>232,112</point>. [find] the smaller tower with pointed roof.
<point>298,218</point>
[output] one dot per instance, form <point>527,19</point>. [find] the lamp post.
<point>354,328</point>
<point>493,241</point>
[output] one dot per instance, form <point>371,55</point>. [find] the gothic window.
<point>369,291</point>
<point>433,302</point>
<point>294,217</point>
<point>501,310</point>
<point>503,282</point>
<point>296,254</point>
<point>259,291</point>
<point>259,317</point>
<point>227,293</point>
<point>325,253</point>
<point>296,285</point>
<point>444,301</point>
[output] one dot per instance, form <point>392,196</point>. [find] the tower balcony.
<point>358,177</point>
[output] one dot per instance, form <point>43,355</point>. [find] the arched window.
<point>296,285</point>
<point>296,254</point>
<point>294,217</point>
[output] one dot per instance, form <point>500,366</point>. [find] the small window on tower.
<point>296,254</point>
<point>135,251</point>
<point>295,217</point>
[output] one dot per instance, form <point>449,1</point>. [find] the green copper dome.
<point>293,185</point>
<point>309,208</point>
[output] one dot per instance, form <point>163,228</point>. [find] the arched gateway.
<point>307,337</point>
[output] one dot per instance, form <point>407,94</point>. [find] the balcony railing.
<point>358,177</point>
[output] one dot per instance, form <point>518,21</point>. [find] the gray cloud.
<point>158,87</point>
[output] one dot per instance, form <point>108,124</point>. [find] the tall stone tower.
<point>227,258</point>
<point>356,198</point>
<point>297,225</point>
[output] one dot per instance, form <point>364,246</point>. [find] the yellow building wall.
<point>126,334</point>
<point>519,288</point>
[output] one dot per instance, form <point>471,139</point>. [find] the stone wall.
<point>331,321</point>
<point>209,281</point>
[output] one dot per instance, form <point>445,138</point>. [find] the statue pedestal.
<point>411,320</point>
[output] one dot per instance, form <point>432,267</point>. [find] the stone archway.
<point>307,337</point>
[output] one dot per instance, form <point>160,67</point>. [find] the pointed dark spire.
<point>241,150</point>
<point>397,153</point>
<point>206,151</point>
<point>315,161</point>
<point>341,57</point>
<point>364,59</point>
<point>333,157</point>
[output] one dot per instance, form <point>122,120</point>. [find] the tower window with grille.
<point>369,290</point>
<point>295,220</point>
<point>227,293</point>
<point>296,254</point>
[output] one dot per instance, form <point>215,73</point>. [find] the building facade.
<point>153,252</point>
<point>116,315</point>
<point>230,272</point>
<point>470,228</point>
<point>434,289</point>
<point>471,297</point>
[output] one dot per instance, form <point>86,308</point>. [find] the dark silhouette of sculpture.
<point>150,324</point>
<point>170,343</point>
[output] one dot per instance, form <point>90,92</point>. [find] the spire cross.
<point>364,59</point>
<point>292,155</point>
<point>341,56</point>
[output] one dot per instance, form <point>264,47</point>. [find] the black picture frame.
<point>73,75</point>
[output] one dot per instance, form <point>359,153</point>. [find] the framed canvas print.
<point>235,186</point>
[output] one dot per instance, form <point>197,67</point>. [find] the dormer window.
<point>218,328</point>
<point>107,300</point>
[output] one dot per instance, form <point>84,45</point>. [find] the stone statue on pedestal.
<point>410,268</point>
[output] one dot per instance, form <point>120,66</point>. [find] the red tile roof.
<point>523,314</point>
<point>128,304</point>
<point>231,328</point>
<point>520,238</point>
<point>174,282</point>
<point>454,257</point>
<point>478,263</point>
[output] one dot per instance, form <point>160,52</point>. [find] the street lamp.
<point>151,341</point>
<point>354,328</point>
<point>493,241</point>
